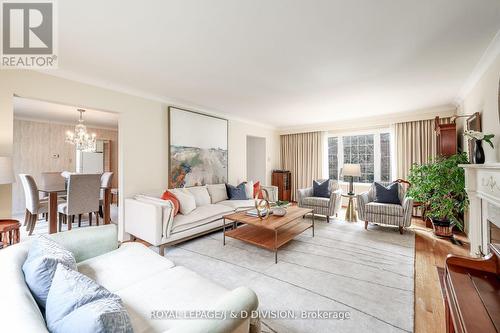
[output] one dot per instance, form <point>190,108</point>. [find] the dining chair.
<point>34,205</point>
<point>106,179</point>
<point>82,197</point>
<point>51,179</point>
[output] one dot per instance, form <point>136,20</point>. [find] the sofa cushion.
<point>174,289</point>
<point>239,204</point>
<point>217,192</point>
<point>200,215</point>
<point>321,189</point>
<point>236,192</point>
<point>135,260</point>
<point>187,201</point>
<point>249,189</point>
<point>316,201</point>
<point>75,302</point>
<point>384,209</point>
<point>201,196</point>
<point>40,266</point>
<point>387,194</point>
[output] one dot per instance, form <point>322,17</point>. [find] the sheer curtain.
<point>415,142</point>
<point>302,154</point>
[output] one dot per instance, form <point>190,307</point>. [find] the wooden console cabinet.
<point>446,138</point>
<point>283,180</point>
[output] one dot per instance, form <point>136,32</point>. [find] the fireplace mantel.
<point>482,183</point>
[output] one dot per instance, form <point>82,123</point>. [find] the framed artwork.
<point>473,124</point>
<point>198,153</point>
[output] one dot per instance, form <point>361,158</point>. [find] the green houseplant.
<point>440,185</point>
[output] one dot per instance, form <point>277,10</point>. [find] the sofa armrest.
<point>335,200</point>
<point>89,242</point>
<point>304,193</point>
<point>239,300</point>
<point>144,220</point>
<point>362,200</point>
<point>273,192</point>
<point>407,210</point>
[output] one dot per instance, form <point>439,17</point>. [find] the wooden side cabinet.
<point>283,180</point>
<point>446,138</point>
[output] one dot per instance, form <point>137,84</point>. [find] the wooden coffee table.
<point>271,233</point>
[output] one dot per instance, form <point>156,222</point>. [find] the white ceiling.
<point>282,62</point>
<point>39,110</point>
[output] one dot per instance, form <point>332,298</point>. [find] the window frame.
<point>377,165</point>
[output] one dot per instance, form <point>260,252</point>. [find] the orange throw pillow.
<point>170,196</point>
<point>256,189</point>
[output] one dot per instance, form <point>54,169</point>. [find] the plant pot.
<point>479,152</point>
<point>442,228</point>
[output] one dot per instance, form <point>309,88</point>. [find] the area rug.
<point>366,276</point>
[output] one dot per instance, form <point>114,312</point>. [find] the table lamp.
<point>351,170</point>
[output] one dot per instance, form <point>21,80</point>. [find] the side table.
<point>9,232</point>
<point>350,213</point>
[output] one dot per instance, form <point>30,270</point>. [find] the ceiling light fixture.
<point>80,138</point>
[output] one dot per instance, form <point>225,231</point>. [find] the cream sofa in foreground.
<point>148,284</point>
<point>151,219</point>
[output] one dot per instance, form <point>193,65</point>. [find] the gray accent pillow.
<point>218,192</point>
<point>236,193</point>
<point>388,195</point>
<point>322,189</point>
<point>77,303</point>
<point>40,266</point>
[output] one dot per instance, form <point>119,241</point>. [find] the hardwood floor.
<point>430,253</point>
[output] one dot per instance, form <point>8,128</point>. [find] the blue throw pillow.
<point>322,189</point>
<point>76,303</point>
<point>387,194</point>
<point>236,193</point>
<point>40,266</point>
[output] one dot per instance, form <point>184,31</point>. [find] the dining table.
<point>53,190</point>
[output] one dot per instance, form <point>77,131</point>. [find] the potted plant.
<point>478,138</point>
<point>440,185</point>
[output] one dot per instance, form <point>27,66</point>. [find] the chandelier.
<point>80,138</point>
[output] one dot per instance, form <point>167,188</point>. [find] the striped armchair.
<point>389,214</point>
<point>321,206</point>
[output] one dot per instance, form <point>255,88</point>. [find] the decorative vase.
<point>443,228</point>
<point>479,152</point>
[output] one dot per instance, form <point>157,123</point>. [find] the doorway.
<point>256,159</point>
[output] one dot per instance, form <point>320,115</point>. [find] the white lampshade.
<point>353,170</point>
<point>6,170</point>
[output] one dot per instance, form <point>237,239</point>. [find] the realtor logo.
<point>28,34</point>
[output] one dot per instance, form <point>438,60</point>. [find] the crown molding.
<point>486,60</point>
<point>374,122</point>
<point>46,121</point>
<point>72,76</point>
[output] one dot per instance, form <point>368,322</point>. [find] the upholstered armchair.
<point>382,213</point>
<point>321,206</point>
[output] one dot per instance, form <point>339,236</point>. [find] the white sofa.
<point>151,219</point>
<point>146,282</point>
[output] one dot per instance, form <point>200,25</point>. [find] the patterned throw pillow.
<point>387,194</point>
<point>76,301</point>
<point>256,189</point>
<point>167,195</point>
<point>40,266</point>
<point>236,193</point>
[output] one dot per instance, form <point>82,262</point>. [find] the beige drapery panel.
<point>415,142</point>
<point>302,155</point>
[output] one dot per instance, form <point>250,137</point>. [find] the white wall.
<point>483,98</point>
<point>143,131</point>
<point>256,158</point>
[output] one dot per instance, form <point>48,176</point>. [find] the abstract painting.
<point>197,148</point>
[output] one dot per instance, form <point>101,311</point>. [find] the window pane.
<point>385,157</point>
<point>358,149</point>
<point>333,168</point>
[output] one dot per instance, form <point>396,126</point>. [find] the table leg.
<point>107,205</point>
<point>275,246</point>
<point>224,231</point>
<point>313,223</point>
<point>52,212</point>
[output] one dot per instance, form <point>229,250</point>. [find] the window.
<point>371,151</point>
<point>333,164</point>
<point>358,149</point>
